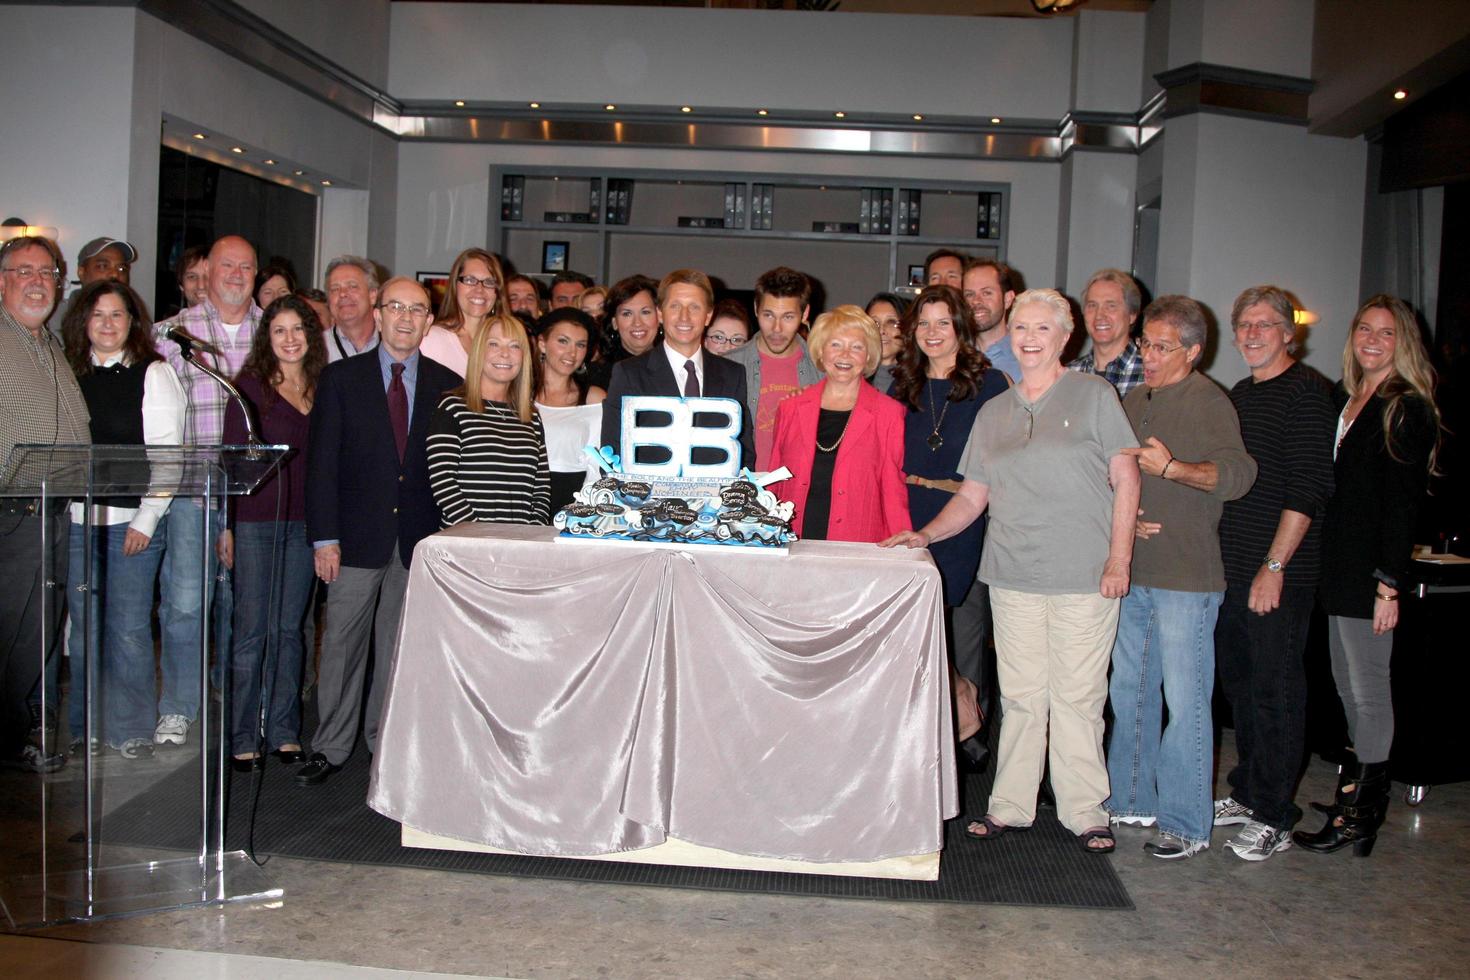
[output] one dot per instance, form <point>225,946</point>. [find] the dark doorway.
<point>199,201</point>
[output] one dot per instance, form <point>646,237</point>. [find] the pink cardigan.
<point>870,500</point>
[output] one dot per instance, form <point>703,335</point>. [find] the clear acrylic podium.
<point>58,863</point>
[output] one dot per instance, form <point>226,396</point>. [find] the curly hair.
<point>263,365</point>
<point>911,374</point>
<point>137,347</point>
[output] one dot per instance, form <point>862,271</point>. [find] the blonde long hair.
<point>524,385</point>
<point>1412,374</point>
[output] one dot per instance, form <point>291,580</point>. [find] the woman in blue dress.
<point>942,378</point>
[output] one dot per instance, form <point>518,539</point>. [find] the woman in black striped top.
<point>487,450</point>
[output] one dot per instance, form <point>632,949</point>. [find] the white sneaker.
<point>171,728</point>
<point>1131,820</point>
<point>1229,811</point>
<point>1258,841</point>
<point>1169,847</point>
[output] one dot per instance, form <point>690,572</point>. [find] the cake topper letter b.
<point>684,441</point>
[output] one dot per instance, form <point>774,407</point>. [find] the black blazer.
<point>650,374</point>
<point>1368,531</point>
<point>357,492</point>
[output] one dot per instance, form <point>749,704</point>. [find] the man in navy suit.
<point>367,504</point>
<point>679,365</point>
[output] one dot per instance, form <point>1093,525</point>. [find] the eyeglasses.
<point>1145,345</point>
<point>1244,327</point>
<point>394,308</point>
<point>471,281</point>
<point>26,273</point>
<point>720,340</point>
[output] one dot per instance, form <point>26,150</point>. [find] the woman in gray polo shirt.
<point>1047,458</point>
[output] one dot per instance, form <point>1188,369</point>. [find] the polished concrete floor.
<point>1399,913</point>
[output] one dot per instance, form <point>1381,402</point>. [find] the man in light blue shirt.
<point>989,289</point>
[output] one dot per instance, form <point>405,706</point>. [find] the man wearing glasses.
<point>368,503</point>
<point>1192,460</point>
<point>777,365</point>
<point>40,402</point>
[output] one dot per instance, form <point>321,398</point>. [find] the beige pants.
<point>1052,654</point>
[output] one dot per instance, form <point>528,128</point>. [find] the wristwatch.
<point>1274,565</point>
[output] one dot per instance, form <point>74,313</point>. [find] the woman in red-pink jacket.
<point>842,440</point>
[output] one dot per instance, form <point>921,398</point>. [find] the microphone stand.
<point>252,437</point>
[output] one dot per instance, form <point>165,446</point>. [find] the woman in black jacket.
<point>1387,437</point>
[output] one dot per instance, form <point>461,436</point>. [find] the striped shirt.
<point>204,422</point>
<point>40,401</point>
<point>488,466</point>
<point>1287,425</point>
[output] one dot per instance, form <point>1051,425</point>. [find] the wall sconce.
<point>17,228</point>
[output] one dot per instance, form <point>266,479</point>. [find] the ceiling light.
<point>299,173</point>
<point>459,102</point>
<point>995,120</point>
<point>237,149</point>
<point>686,108</point>
<point>326,183</point>
<point>918,117</point>
<point>762,112</point>
<point>1400,94</point>
<point>840,114</point>
<point>535,105</point>
<point>200,136</point>
<point>270,163</point>
<point>609,107</point>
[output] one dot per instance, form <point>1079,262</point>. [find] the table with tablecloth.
<point>770,710</point>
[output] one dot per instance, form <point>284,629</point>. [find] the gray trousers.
<point>970,628</point>
<point>1360,667</point>
<point>364,606</point>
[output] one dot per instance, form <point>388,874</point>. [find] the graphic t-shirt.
<point>778,382</point>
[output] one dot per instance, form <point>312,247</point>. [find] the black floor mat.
<point>330,822</point>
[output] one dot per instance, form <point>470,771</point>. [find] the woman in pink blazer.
<point>842,440</point>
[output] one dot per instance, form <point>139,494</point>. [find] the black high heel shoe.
<point>289,756</point>
<point>1361,806</point>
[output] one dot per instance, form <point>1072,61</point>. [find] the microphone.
<point>187,340</point>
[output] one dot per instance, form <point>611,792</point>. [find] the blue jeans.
<point>273,583</point>
<point>119,632</point>
<point>1165,651</point>
<point>186,594</point>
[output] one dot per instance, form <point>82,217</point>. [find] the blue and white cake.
<point>679,501</point>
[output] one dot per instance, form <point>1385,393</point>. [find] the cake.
<point>678,501</point>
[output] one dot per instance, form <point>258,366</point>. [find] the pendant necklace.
<point>935,440</point>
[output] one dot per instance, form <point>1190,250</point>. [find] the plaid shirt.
<point>1124,372</point>
<point>204,421</point>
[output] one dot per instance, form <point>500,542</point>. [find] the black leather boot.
<point>1345,774</point>
<point>1362,805</point>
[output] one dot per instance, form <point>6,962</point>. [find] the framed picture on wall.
<point>554,256</point>
<point>916,275</point>
<point>437,283</point>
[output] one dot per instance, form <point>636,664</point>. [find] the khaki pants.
<point>1052,655</point>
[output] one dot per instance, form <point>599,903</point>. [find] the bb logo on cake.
<point>700,437</point>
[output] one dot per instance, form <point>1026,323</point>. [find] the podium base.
<point>33,901</point>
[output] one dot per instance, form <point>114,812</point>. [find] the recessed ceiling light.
<point>840,114</point>
<point>1400,94</point>
<point>459,102</point>
<point>299,173</point>
<point>609,107</point>
<point>686,108</point>
<point>270,163</point>
<point>237,149</point>
<point>535,105</point>
<point>762,112</point>
<point>200,136</point>
<point>326,183</point>
<point>918,117</point>
<point>995,120</point>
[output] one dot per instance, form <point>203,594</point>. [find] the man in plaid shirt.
<point>227,319</point>
<point>1110,305</point>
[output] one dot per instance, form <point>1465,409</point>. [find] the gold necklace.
<point>840,436</point>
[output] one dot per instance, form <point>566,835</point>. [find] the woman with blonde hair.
<point>486,446</point>
<point>474,295</point>
<point>1387,439</point>
<point>842,440</point>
